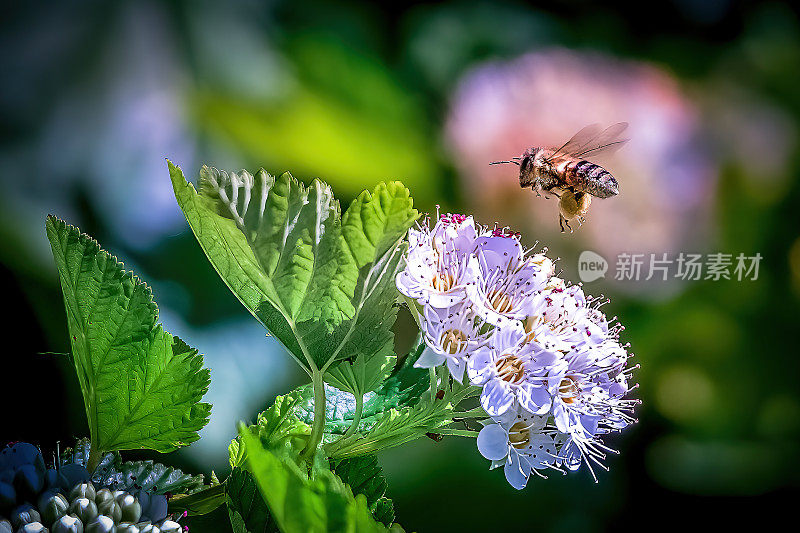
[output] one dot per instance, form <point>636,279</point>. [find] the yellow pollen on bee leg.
<point>519,436</point>
<point>510,368</point>
<point>453,341</point>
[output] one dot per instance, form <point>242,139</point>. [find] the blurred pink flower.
<point>542,99</point>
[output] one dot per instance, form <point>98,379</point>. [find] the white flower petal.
<point>496,398</point>
<point>561,417</point>
<point>480,365</point>
<point>441,300</point>
<point>493,442</point>
<point>456,365</point>
<point>429,359</point>
<point>542,451</point>
<point>535,398</point>
<point>515,472</point>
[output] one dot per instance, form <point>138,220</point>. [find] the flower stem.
<point>356,417</point>
<point>319,416</point>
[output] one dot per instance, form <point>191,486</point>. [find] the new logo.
<point>591,266</point>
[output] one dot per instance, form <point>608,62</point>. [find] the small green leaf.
<point>201,502</point>
<point>247,510</point>
<point>361,375</point>
<point>301,504</point>
<point>365,476</point>
<point>277,428</point>
<point>383,511</point>
<point>322,285</point>
<point>276,425</point>
<point>141,386</point>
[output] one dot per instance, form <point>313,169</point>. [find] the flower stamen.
<point>443,282</point>
<point>519,436</point>
<point>453,341</point>
<point>510,368</point>
<point>568,389</point>
<point>500,301</point>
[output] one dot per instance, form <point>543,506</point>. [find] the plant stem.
<point>319,416</point>
<point>94,458</point>
<point>458,432</point>
<point>478,412</point>
<point>356,418</point>
<point>414,309</point>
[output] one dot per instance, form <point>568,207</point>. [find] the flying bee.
<point>566,173</point>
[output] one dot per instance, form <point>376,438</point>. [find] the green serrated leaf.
<point>277,429</point>
<point>301,504</point>
<point>247,510</point>
<point>364,476</point>
<point>384,511</point>
<point>322,285</point>
<point>141,386</point>
<point>361,375</point>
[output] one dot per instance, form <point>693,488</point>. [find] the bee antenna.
<point>503,162</point>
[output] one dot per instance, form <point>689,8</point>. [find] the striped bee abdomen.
<point>592,178</point>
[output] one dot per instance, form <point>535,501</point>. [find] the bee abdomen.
<point>594,179</point>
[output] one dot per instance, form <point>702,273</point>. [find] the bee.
<point>566,173</point>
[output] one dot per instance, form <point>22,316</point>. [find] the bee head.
<point>526,167</point>
<point>528,158</point>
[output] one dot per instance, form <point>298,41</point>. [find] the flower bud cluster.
<point>36,499</point>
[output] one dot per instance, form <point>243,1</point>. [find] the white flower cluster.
<point>552,371</point>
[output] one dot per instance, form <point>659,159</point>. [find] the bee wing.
<point>592,141</point>
<point>579,140</point>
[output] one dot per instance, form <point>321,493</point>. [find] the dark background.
<point>95,95</point>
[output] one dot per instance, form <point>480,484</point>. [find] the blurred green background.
<point>95,95</point>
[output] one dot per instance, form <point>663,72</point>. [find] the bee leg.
<point>563,221</point>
